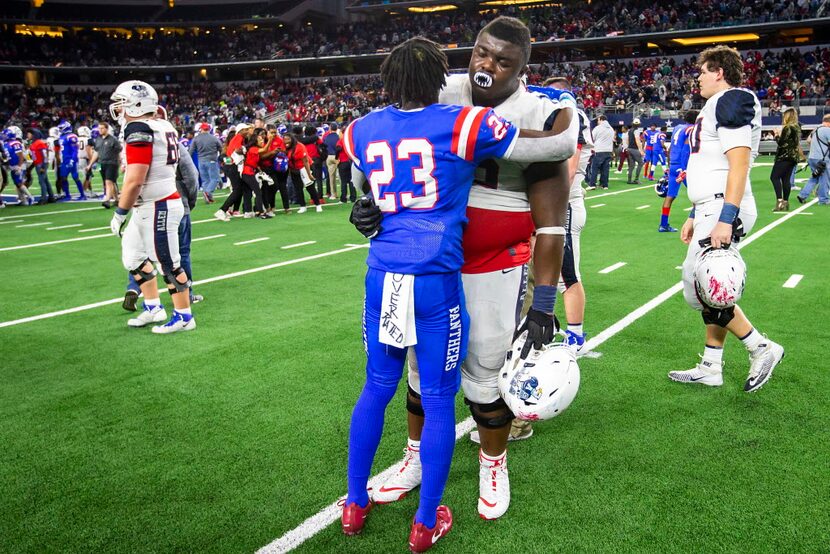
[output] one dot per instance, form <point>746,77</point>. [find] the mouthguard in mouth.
<point>482,79</point>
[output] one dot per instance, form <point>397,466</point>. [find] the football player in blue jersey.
<point>658,154</point>
<point>66,158</point>
<point>15,157</point>
<point>420,158</point>
<point>678,159</point>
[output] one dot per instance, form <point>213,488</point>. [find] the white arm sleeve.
<point>358,179</point>
<point>549,149</point>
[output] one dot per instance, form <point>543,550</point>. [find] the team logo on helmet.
<point>661,187</point>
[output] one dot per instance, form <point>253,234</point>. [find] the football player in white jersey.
<point>84,155</point>
<point>149,189</point>
<point>507,202</point>
<point>724,142</point>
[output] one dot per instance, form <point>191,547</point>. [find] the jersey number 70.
<point>390,202</point>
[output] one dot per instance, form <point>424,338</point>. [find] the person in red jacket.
<point>39,148</point>
<point>299,167</point>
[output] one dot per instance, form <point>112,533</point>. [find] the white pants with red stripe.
<point>153,232</point>
<point>494,302</point>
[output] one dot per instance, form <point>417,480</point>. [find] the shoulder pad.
<point>736,108</point>
<point>138,132</point>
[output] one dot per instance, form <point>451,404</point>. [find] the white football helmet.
<point>53,132</point>
<point>14,132</point>
<point>133,98</point>
<point>541,386</point>
<point>84,131</point>
<point>719,275</point>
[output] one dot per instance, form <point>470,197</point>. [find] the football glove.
<point>366,216</point>
<point>119,219</point>
<point>540,329</point>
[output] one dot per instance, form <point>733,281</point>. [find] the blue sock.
<point>664,220</point>
<point>437,443</point>
<point>364,437</point>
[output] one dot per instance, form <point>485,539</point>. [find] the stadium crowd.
<point>786,77</point>
<point>264,42</point>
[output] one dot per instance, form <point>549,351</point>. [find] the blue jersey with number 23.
<point>420,164</point>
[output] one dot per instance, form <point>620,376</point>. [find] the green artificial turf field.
<point>227,438</point>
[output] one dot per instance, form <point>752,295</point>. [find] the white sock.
<point>753,340</point>
<point>575,328</point>
<point>184,311</point>
<point>152,301</point>
<point>488,460</point>
<point>712,356</point>
<point>414,445</point>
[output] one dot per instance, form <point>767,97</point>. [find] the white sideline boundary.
<point>616,192</point>
<point>201,282</point>
<point>331,513</point>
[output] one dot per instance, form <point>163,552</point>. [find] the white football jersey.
<point>501,184</point>
<point>164,140</point>
<point>586,141</point>
<point>83,142</point>
<point>730,119</point>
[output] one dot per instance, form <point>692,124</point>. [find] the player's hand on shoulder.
<point>366,216</point>
<point>540,329</point>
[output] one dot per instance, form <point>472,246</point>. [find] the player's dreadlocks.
<point>415,71</point>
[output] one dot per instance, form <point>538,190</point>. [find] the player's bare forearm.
<point>133,179</point>
<point>573,165</point>
<point>560,125</point>
<point>549,208</point>
<point>738,159</point>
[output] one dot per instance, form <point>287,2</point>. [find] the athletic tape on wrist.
<point>692,213</point>
<point>729,213</point>
<point>544,298</point>
<point>121,211</point>
<point>551,231</point>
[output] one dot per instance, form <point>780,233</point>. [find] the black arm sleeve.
<point>735,109</point>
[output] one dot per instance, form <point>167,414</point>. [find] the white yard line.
<point>91,229</point>
<point>201,282</point>
<point>286,247</point>
<point>99,208</point>
<point>251,241</point>
<point>64,226</point>
<point>35,245</point>
<point>33,224</point>
<point>11,221</point>
<point>618,192</point>
<point>643,207</point>
<point>806,213</point>
<point>597,206</point>
<point>611,268</point>
<point>793,281</point>
<point>208,238</point>
<point>688,209</point>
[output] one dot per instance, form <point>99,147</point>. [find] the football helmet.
<point>84,131</point>
<point>133,98</point>
<point>53,132</point>
<point>541,386</point>
<point>320,132</point>
<point>282,129</point>
<point>325,127</point>
<point>64,127</point>
<point>13,132</point>
<point>719,275</point>
<point>661,187</point>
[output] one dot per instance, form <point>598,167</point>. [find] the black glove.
<point>366,216</point>
<point>540,328</point>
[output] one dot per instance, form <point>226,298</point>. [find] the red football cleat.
<point>354,517</point>
<point>423,538</point>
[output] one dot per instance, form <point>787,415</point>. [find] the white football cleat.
<point>319,208</point>
<point>301,210</point>
<point>761,363</point>
<point>221,215</point>
<point>703,373</point>
<point>150,314</point>
<point>404,480</point>
<point>493,486</point>
<point>176,323</point>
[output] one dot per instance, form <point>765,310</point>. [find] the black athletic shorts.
<point>109,172</point>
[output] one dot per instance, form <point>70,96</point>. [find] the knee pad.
<point>142,276</point>
<point>413,403</point>
<point>170,279</point>
<point>720,317</point>
<point>491,416</point>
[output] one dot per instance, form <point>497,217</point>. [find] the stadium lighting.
<point>430,9</point>
<point>741,37</point>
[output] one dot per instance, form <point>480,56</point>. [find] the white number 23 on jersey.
<point>421,175</point>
